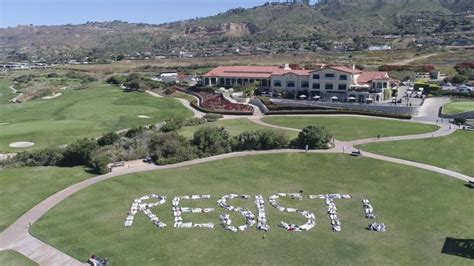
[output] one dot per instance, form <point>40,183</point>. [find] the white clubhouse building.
<point>339,83</point>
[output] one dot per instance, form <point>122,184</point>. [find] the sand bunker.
<point>21,144</point>
<point>143,116</point>
<point>52,96</point>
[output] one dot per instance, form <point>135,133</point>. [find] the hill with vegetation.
<point>287,26</point>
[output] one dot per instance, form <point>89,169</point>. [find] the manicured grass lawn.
<point>22,188</point>
<point>234,126</point>
<point>12,258</point>
<point>458,107</point>
<point>81,113</point>
<point>454,152</point>
<point>419,208</point>
<point>351,128</point>
<point>5,93</point>
<point>178,94</point>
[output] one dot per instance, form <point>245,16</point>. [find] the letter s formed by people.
<point>311,219</point>
<point>225,217</point>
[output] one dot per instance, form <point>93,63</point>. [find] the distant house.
<point>380,47</point>
<point>325,83</point>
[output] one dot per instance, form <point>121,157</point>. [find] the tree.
<point>170,147</point>
<point>79,153</point>
<point>108,139</point>
<point>211,141</point>
<point>260,140</point>
<point>316,137</point>
<point>459,79</point>
<point>172,124</point>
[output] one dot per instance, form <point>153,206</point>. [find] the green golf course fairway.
<point>23,188</point>
<point>12,258</point>
<point>234,127</point>
<point>453,152</point>
<point>419,208</point>
<point>81,113</point>
<point>458,107</point>
<point>351,128</point>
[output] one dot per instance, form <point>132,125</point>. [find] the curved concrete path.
<point>17,237</point>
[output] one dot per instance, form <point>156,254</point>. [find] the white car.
<point>464,88</point>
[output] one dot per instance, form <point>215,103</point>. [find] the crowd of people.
<point>225,218</point>
<point>332,209</point>
<point>177,211</point>
<point>140,205</point>
<point>311,219</point>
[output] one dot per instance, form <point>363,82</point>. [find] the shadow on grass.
<point>469,186</point>
<point>459,247</point>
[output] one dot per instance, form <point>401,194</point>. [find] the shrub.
<point>459,79</point>
<point>194,122</point>
<point>99,162</point>
<point>79,153</point>
<point>212,117</point>
<point>46,157</point>
<point>460,121</point>
<point>108,139</point>
<point>316,137</point>
<point>211,141</point>
<point>116,80</point>
<point>134,132</point>
<point>260,140</point>
<point>172,124</point>
<point>170,147</point>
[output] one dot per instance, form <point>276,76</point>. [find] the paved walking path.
<point>17,237</point>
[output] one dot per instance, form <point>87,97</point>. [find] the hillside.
<point>289,27</point>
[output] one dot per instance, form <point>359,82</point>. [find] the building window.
<point>329,75</point>
<point>316,86</point>
<point>290,84</point>
<point>316,76</point>
<point>329,87</point>
<point>277,83</point>
<point>342,87</point>
<point>385,85</point>
<point>304,84</point>
<point>342,77</point>
<point>379,85</point>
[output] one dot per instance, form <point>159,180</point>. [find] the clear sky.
<point>54,12</point>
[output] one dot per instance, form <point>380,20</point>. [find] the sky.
<point>56,12</point>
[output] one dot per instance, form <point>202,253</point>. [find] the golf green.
<point>353,127</point>
<point>81,113</point>
<point>420,209</point>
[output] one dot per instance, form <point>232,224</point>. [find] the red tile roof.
<point>341,68</point>
<point>242,71</point>
<point>282,71</point>
<point>368,76</point>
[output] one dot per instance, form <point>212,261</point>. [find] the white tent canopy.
<point>303,96</point>
<point>351,98</point>
<point>334,98</point>
<point>369,100</point>
<point>316,97</point>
